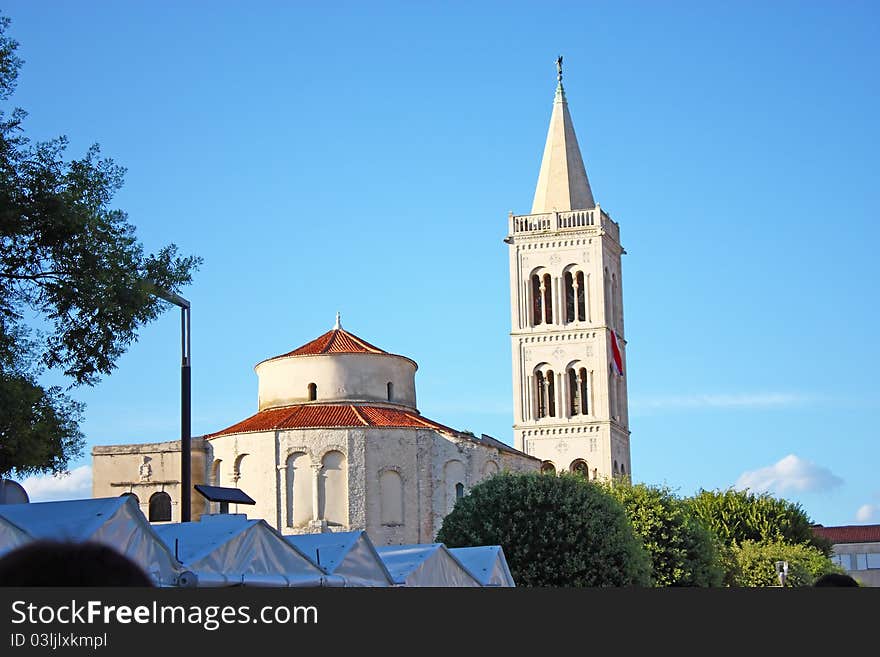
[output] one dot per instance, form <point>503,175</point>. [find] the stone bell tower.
<point>569,350</point>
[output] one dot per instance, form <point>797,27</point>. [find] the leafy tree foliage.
<point>738,516</point>
<point>754,563</point>
<point>72,266</point>
<point>682,550</point>
<point>555,531</point>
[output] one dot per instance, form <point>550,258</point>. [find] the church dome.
<point>336,367</point>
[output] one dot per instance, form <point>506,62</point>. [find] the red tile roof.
<point>849,533</point>
<point>334,341</point>
<point>311,416</point>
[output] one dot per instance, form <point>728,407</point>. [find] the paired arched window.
<point>547,467</point>
<point>575,297</point>
<point>542,299</point>
<point>313,392</point>
<point>545,391</point>
<point>160,507</point>
<point>580,467</point>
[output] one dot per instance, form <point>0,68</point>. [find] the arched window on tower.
<point>132,495</point>
<point>537,314</point>
<point>547,467</point>
<point>581,297</point>
<point>541,394</point>
<point>548,299</point>
<point>615,306</point>
<point>612,391</point>
<point>583,377</point>
<point>580,467</point>
<point>313,392</point>
<point>574,393</point>
<point>569,298</point>
<point>551,393</point>
<point>160,507</point>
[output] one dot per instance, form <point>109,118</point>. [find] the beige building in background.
<point>566,302</point>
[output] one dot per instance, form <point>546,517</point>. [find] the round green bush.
<point>555,531</point>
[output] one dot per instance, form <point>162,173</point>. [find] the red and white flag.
<point>616,359</point>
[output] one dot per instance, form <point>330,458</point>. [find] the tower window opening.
<point>569,298</point>
<point>584,391</point>
<point>313,392</point>
<point>541,391</point>
<point>537,313</point>
<point>548,468</point>
<point>580,467</point>
<point>551,394</point>
<point>574,393</point>
<point>548,299</point>
<point>581,297</point>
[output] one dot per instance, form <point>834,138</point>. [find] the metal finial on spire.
<point>338,322</point>
<point>559,69</point>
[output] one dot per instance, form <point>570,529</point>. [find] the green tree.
<point>72,266</point>
<point>754,564</point>
<point>555,531</point>
<point>738,516</point>
<point>682,550</point>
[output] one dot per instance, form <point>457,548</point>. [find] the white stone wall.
<point>338,377</point>
<point>421,458</point>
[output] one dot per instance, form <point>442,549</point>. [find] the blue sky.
<point>363,159</point>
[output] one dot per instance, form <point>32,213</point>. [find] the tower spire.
<point>338,322</point>
<point>562,183</point>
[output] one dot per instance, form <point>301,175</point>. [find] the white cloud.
<point>867,512</point>
<point>790,473</point>
<point>722,400</point>
<point>73,486</point>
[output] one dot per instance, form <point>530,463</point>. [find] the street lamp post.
<point>185,401</point>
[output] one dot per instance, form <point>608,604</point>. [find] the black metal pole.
<point>185,420</point>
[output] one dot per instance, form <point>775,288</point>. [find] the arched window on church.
<point>536,300</point>
<point>313,392</point>
<point>570,300</point>
<point>548,299</point>
<point>391,497</point>
<point>541,394</point>
<point>454,476</point>
<point>584,381</point>
<point>574,393</point>
<point>390,390</point>
<point>133,496</point>
<point>160,507</point>
<point>333,489</point>
<point>551,393</point>
<point>547,467</point>
<point>581,297</point>
<point>298,489</point>
<point>580,467</point>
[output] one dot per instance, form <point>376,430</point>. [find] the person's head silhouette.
<point>56,563</point>
<point>835,579</point>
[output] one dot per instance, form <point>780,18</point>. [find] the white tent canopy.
<point>230,550</point>
<point>486,563</point>
<point>113,521</point>
<point>350,555</point>
<point>425,565</point>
